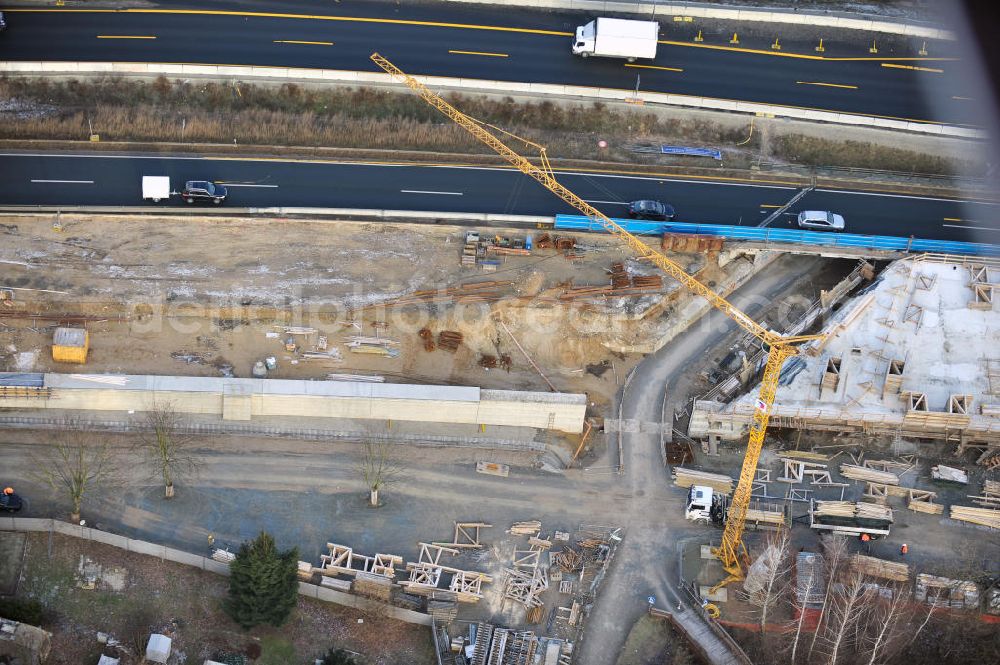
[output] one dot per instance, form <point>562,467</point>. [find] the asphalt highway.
<point>506,44</point>
<point>81,179</point>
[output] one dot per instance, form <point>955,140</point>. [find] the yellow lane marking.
<point>666,69</point>
<point>309,17</point>
<point>962,99</point>
<point>803,56</point>
<point>828,85</point>
<point>125,37</point>
<point>956,219</point>
<point>919,69</point>
<point>295,41</point>
<point>491,55</point>
<point>769,205</point>
<point>439,24</point>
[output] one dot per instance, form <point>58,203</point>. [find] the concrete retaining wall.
<point>763,15</point>
<point>309,399</point>
<point>28,524</point>
<point>479,85</point>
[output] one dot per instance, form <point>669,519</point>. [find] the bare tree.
<point>378,468</point>
<point>164,449</point>
<point>769,576</point>
<point>886,620</point>
<point>845,615</point>
<point>76,465</point>
<point>834,553</point>
<point>807,588</point>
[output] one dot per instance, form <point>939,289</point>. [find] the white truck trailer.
<point>155,188</point>
<point>617,38</point>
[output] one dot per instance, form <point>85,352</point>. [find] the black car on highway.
<point>203,191</point>
<point>652,210</point>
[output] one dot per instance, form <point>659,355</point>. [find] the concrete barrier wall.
<point>36,525</point>
<point>562,411</point>
<point>479,85</point>
<point>669,10</point>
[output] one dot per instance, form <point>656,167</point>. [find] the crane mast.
<point>731,552</point>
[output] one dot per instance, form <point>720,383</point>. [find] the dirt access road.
<point>645,564</point>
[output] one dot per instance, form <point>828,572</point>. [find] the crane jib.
<point>732,551</point>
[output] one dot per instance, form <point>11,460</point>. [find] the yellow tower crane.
<point>731,552</point>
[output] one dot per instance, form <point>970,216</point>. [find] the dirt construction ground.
<point>205,297</point>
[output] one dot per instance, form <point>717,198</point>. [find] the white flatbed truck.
<point>617,38</point>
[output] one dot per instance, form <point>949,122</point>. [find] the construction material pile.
<point>852,510</point>
<point>872,567</point>
<point>450,340</point>
<point>983,516</point>
<point>529,528</point>
<point>868,475</point>
<point>428,338</point>
<point>945,592</point>
<point>466,293</point>
<point>688,477</point>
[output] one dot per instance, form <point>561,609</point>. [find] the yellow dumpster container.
<point>70,345</point>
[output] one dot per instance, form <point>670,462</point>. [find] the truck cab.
<point>705,506</point>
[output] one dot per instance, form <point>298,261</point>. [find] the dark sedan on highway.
<point>203,191</point>
<point>652,210</point>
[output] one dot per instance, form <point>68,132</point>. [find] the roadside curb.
<point>843,21</point>
<point>247,72</point>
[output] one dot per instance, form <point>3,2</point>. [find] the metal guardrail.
<point>791,236</point>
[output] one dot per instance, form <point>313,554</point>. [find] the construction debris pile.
<point>429,576</point>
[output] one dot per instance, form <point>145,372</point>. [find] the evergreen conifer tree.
<point>263,583</point>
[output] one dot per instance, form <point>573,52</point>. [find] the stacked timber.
<point>872,567</point>
<point>868,475</point>
<point>945,592</point>
<point>983,516</point>
<point>922,501</point>
<point>806,455</point>
<point>765,516</point>
<point>850,509</point>
<point>450,340</point>
<point>305,571</point>
<point>529,528</point>
<point>373,586</point>
<point>991,487</point>
<point>443,610</point>
<point>688,477</point>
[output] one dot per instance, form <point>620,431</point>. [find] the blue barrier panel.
<point>693,152</point>
<point>757,234</point>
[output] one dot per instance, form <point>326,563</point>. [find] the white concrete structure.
<point>917,353</point>
<point>245,399</point>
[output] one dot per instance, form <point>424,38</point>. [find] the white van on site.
<point>820,220</point>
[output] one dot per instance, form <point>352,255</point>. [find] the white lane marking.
<point>906,196</point>
<point>233,184</point>
<point>977,228</point>
<point>68,182</point>
<point>614,203</point>
<point>487,168</point>
<point>420,191</point>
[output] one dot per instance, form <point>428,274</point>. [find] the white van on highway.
<point>820,220</point>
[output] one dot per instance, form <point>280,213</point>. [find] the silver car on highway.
<point>820,220</point>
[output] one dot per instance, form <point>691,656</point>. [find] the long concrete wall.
<point>246,399</point>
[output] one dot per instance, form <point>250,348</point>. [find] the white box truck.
<point>617,38</point>
<point>155,188</point>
